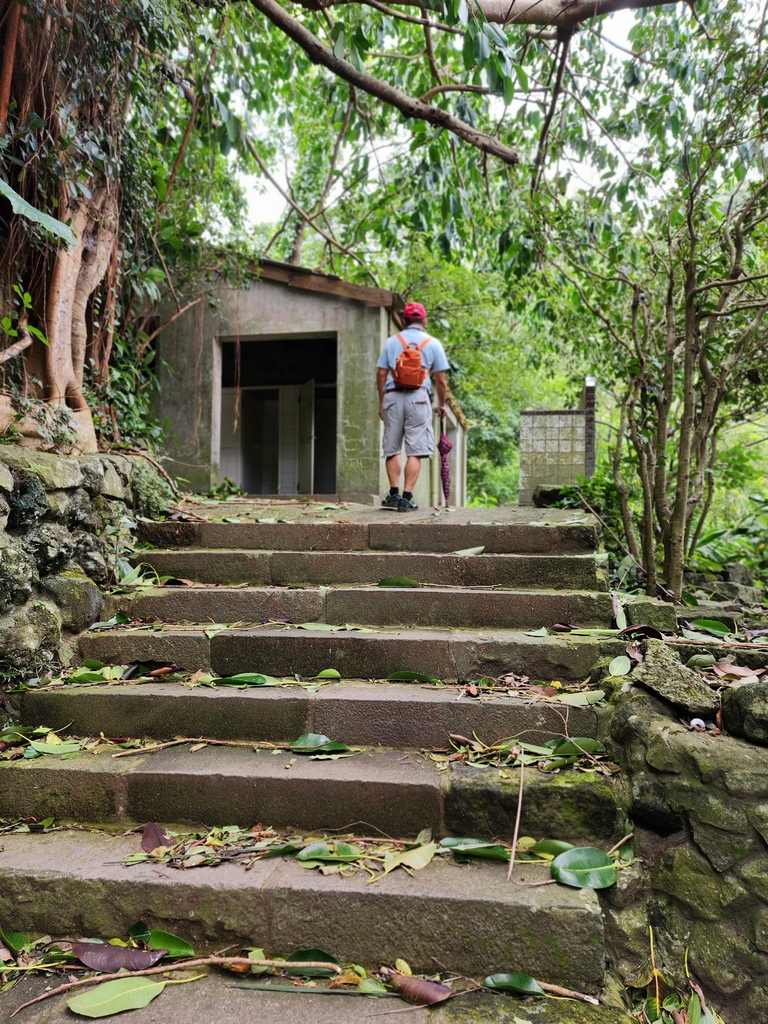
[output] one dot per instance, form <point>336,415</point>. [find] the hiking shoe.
<point>392,501</point>
<point>408,504</point>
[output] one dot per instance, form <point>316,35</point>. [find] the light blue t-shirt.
<point>432,355</point>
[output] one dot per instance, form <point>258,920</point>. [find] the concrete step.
<point>395,792</point>
<point>446,654</point>
<point>434,606</point>
<point>216,997</point>
<point>466,915</point>
<point>523,531</point>
<point>301,568</point>
<point>370,714</point>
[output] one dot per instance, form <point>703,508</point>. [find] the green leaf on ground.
<point>312,972</point>
<point>581,700</point>
<point>55,748</point>
<point>116,996</point>
<point>549,848</point>
<point>584,867</point>
<point>537,632</point>
<point>620,666</point>
<point>246,679</point>
<point>313,742</point>
<point>470,551</point>
<point>330,852</point>
<point>328,673</point>
<point>718,629</point>
<point>578,745</point>
<point>522,983</point>
<point>398,581</point>
<point>462,846</point>
<point>172,944</point>
<point>415,859</point>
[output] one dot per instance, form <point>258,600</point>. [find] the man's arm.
<point>381,380</point>
<point>441,386</point>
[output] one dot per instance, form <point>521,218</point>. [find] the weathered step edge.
<point>367,714</point>
<point>299,568</point>
<point>488,609</point>
<point>566,538</point>
<point>443,654</point>
<point>395,792</point>
<point>467,915</point>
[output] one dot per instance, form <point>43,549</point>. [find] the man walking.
<point>405,402</point>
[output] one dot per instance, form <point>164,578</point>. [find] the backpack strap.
<point>406,346</point>
<point>425,342</point>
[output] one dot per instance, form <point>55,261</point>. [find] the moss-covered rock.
<point>568,805</point>
<point>18,575</point>
<point>647,611</point>
<point>663,673</point>
<point>745,711</point>
<point>28,501</point>
<point>482,1008</point>
<point>29,637</point>
<point>688,878</point>
<point>723,961</point>
<point>78,598</point>
<point>51,546</point>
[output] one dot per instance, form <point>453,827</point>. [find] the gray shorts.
<point>407,417</point>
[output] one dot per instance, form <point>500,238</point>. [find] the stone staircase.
<point>279,584</point>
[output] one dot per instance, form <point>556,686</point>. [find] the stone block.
<point>55,472</point>
<point>51,546</point>
<point>687,877</point>
<point>211,566</point>
<point>745,711</point>
<point>722,961</point>
<point>647,611</point>
<point>188,649</point>
<point>573,806</point>
<point>663,673</point>
<point>117,474</point>
<point>6,477</point>
<point>18,574</point>
<point>78,598</point>
<point>395,793</point>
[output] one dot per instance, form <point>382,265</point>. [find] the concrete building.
<point>273,385</point>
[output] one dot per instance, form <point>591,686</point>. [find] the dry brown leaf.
<point>418,991</point>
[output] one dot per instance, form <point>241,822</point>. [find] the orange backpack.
<point>409,373</point>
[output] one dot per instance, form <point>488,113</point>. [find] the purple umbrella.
<point>444,446</point>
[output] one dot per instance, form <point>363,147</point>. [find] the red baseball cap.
<point>414,311</point>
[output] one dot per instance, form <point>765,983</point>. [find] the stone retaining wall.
<point>699,806</point>
<point>63,525</point>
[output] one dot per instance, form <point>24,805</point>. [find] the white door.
<point>307,438</point>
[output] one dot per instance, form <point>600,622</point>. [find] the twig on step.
<point>517,818</point>
<point>206,961</point>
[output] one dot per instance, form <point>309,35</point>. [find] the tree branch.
<point>25,340</point>
<point>318,53</point>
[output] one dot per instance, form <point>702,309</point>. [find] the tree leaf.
<point>245,679</point>
<point>331,852</point>
<point>101,956</point>
<point>584,867</point>
<point>172,944</point>
<point>54,748</point>
<point>418,991</point>
<point>398,581</point>
<point>312,972</point>
<point>328,673</point>
<point>312,742</point>
<point>416,859</point>
<point>580,700</point>
<point>537,632</point>
<point>152,837</point>
<point>22,208</point>
<point>522,983</point>
<point>579,745</point>
<point>470,551</point>
<point>549,848</point>
<point>116,996</point>
<point>718,629</point>
<point>466,847</point>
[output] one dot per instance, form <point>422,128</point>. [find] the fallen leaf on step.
<point>418,991</point>
<point>154,836</point>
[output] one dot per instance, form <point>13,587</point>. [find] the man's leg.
<point>393,470</point>
<point>412,470</point>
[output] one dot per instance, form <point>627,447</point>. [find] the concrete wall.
<point>190,375</point>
